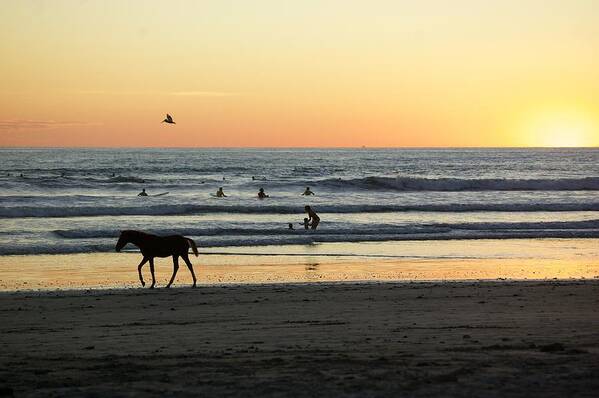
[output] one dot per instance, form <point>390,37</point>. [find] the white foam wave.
<point>382,229</point>
<point>183,209</point>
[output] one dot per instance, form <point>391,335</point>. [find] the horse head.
<point>124,238</point>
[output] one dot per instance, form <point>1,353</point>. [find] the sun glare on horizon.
<point>563,128</point>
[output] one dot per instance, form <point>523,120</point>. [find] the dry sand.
<point>491,339</point>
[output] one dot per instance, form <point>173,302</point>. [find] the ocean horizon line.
<point>303,147</point>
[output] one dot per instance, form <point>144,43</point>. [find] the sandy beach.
<point>463,339</point>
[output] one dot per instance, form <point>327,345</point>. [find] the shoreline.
<point>422,339</point>
<point>546,259</point>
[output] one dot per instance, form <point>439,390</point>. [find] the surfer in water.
<point>142,193</point>
<point>220,193</point>
<point>307,192</point>
<point>261,194</point>
<point>312,216</point>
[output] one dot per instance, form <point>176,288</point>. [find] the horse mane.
<point>132,232</point>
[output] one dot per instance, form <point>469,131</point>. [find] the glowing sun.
<point>561,129</point>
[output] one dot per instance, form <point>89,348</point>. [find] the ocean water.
<point>77,200</point>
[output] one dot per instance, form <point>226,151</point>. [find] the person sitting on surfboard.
<point>142,193</point>
<point>307,192</point>
<point>220,193</point>
<point>261,194</point>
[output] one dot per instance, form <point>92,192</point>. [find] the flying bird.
<point>169,119</point>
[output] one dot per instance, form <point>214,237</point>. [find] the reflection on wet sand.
<point>101,271</point>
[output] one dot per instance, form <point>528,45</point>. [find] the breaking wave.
<point>461,184</point>
<point>103,240</point>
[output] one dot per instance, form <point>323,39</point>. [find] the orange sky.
<point>311,73</point>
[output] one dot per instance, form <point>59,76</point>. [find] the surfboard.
<point>161,194</point>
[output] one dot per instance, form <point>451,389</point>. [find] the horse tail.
<point>193,246</point>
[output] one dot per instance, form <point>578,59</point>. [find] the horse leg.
<point>141,278</point>
<point>152,271</point>
<point>190,266</point>
<point>175,269</point>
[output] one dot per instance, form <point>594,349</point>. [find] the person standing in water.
<point>261,194</point>
<point>142,193</point>
<point>307,192</point>
<point>312,216</point>
<point>220,193</point>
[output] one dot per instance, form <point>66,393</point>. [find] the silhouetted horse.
<point>159,246</point>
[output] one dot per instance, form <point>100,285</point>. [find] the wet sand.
<point>384,261</point>
<point>464,339</point>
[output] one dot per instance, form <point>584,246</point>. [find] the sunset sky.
<point>299,73</point>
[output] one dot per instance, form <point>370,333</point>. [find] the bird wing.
<point>169,118</point>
